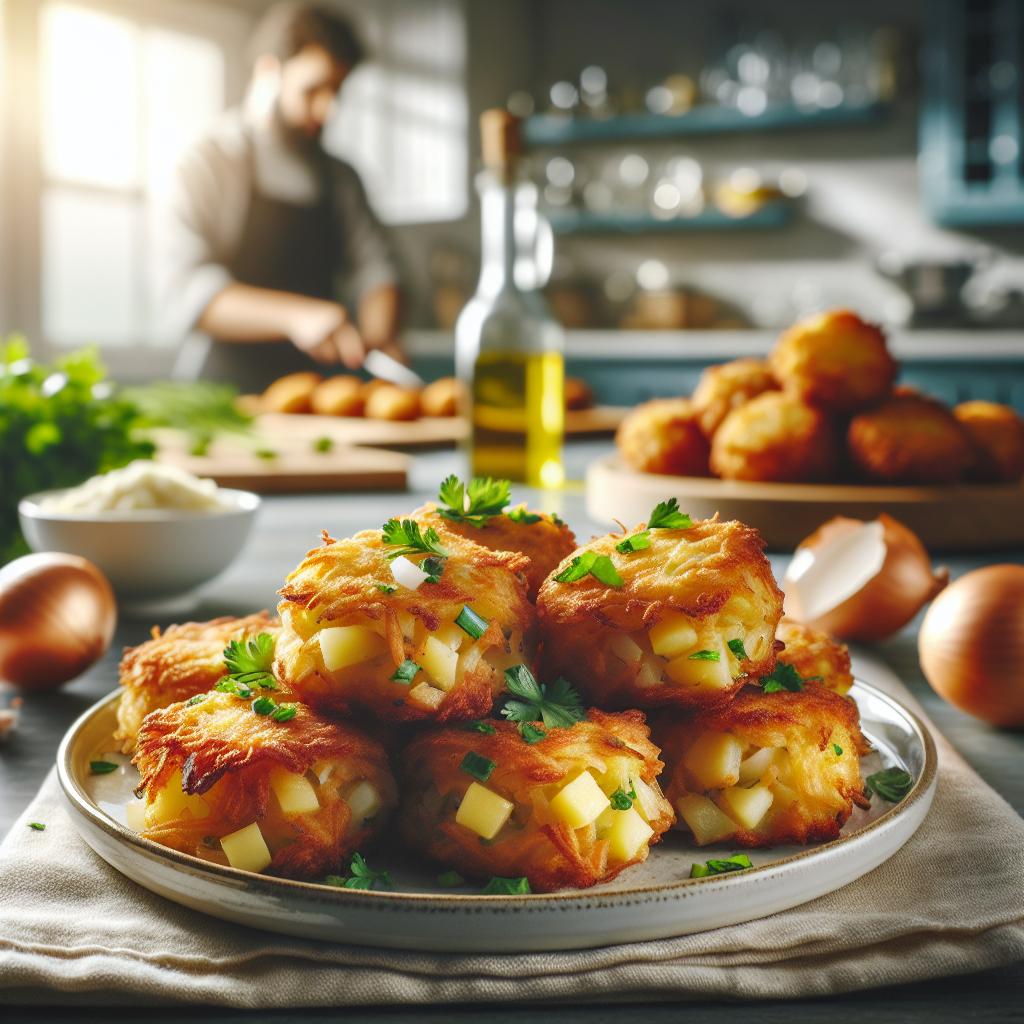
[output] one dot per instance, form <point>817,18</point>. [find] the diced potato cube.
<point>407,624</point>
<point>754,767</point>
<point>704,819</point>
<point>625,648</point>
<point>363,801</point>
<point>673,635</point>
<point>580,802</point>
<point>650,673</point>
<point>342,646</point>
<point>451,635</point>
<point>172,802</point>
<point>646,799</point>
<point>784,796</point>
<point>746,806</point>
<point>426,696</point>
<point>295,794</point>
<point>628,834</point>
<point>714,760</point>
<point>246,849</point>
<point>706,675</point>
<point>483,811</point>
<point>439,660</point>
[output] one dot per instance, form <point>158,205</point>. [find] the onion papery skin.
<point>971,644</point>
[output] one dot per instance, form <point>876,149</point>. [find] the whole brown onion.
<point>57,617</point>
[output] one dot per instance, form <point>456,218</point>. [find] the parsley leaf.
<point>485,727</point>
<point>637,542</point>
<point>264,705</point>
<point>590,563</point>
<point>249,663</point>
<point>386,588</point>
<point>361,876</point>
<point>784,677</point>
<point>477,765</point>
<point>507,887</point>
<point>621,800</point>
<point>531,733</point>
<point>450,879</point>
<point>739,862</point>
<point>284,713</point>
<point>37,826</point>
<point>666,516</point>
<point>891,784</point>
<point>557,706</point>
<point>737,648</point>
<point>433,566</point>
<point>557,520</point>
<point>704,656</point>
<point>405,537</point>
<point>227,684</point>
<point>522,517</point>
<point>838,749</point>
<point>476,503</point>
<point>102,767</point>
<point>406,672</point>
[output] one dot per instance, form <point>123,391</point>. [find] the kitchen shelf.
<point>562,130</point>
<point>579,222</point>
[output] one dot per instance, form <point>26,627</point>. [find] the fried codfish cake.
<point>834,360</point>
<point>775,437</point>
<point>726,387</point>
<point>542,537</point>
<point>909,439</point>
<point>694,617</point>
<point>174,665</point>
<point>560,812</point>
<point>997,433</point>
<point>664,436</point>
<point>295,797</point>
<point>815,655</point>
<point>765,769</point>
<point>353,636</point>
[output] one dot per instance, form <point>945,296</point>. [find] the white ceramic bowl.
<point>148,555</point>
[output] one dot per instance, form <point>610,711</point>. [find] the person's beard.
<point>295,138</point>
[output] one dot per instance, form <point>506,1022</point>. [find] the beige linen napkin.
<point>951,901</point>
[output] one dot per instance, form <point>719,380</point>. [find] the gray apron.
<point>284,246</point>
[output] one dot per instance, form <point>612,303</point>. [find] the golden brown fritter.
<point>339,601</point>
<point>291,393</point>
<point>765,769</point>
<point>997,433</point>
<point>578,394</point>
<point>545,540</point>
<point>815,655</point>
<point>663,637</point>
<point>316,790</point>
<point>664,436</point>
<point>514,821</point>
<point>392,403</point>
<point>338,396</point>
<point>909,439</point>
<point>441,397</point>
<point>174,665</point>
<point>776,436</point>
<point>834,360</point>
<point>726,387</point>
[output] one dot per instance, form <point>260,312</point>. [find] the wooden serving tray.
<point>968,517</point>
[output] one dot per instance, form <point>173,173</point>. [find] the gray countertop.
<point>288,526</point>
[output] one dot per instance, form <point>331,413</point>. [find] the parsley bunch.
<point>360,876</point>
<point>475,503</point>
<point>406,539</point>
<point>558,705</point>
<point>249,662</point>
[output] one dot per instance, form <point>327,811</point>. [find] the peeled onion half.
<point>860,580</point>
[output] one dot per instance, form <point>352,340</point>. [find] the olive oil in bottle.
<point>508,346</point>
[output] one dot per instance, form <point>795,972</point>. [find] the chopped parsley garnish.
<point>264,705</point>
<point>386,588</point>
<point>737,648</point>
<point>485,727</point>
<point>361,876</point>
<point>704,656</point>
<point>507,887</point>
<point>522,517</point>
<point>557,519</point>
<point>838,749</point>
<point>278,712</point>
<point>284,713</point>
<point>557,705</point>
<point>740,862</point>
<point>323,444</point>
<point>229,685</point>
<point>590,563</point>
<point>637,542</point>
<point>477,765</point>
<point>405,537</point>
<point>433,566</point>
<point>531,733</point>
<point>476,503</point>
<point>891,784</point>
<point>37,826</point>
<point>784,677</point>
<point>473,624</point>
<point>197,699</point>
<point>450,879</point>
<point>621,800</point>
<point>102,767</point>
<point>249,664</point>
<point>666,516</point>
<point>406,672</point>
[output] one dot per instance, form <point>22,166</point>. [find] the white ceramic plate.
<point>654,900</point>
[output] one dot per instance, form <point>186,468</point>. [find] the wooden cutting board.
<point>970,517</point>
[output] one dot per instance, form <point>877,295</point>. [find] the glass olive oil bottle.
<point>508,348</point>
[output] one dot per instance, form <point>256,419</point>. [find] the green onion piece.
<point>405,672</point>
<point>477,765</point>
<point>784,677</point>
<point>522,517</point>
<point>507,887</point>
<point>485,727</point>
<point>557,519</point>
<point>386,588</point>
<point>621,800</point>
<point>637,542</point>
<point>838,749</point>
<point>264,705</point>
<point>285,713</point>
<point>450,879</point>
<point>737,648</point>
<point>197,699</point>
<point>471,623</point>
<point>891,784</point>
<point>102,767</point>
<point>37,826</point>
<point>704,656</point>
<point>531,733</point>
<point>590,563</point>
<point>233,686</point>
<point>739,862</point>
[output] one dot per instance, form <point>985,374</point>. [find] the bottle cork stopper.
<point>499,138</point>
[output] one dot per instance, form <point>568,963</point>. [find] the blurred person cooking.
<point>263,228</point>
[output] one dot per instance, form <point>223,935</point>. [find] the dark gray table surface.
<point>286,528</point>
